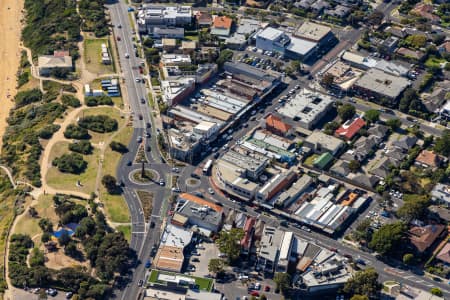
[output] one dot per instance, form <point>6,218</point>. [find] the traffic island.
<point>148,176</point>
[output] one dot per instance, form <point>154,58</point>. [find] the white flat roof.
<point>270,33</point>
<point>301,46</point>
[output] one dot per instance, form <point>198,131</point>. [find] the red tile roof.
<point>428,158</point>
<point>348,131</point>
<point>444,254</point>
<point>200,201</point>
<point>249,224</point>
<point>222,22</point>
<point>273,122</point>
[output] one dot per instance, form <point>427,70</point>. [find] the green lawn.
<point>126,229</point>
<point>434,62</point>
<point>115,205</point>
<point>68,181</point>
<point>310,160</point>
<point>191,37</point>
<point>109,111</point>
<point>93,56</point>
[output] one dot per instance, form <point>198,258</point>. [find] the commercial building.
<point>181,284</point>
<point>151,16</point>
<point>249,230</point>
<point>320,142</point>
<point>167,32</point>
<point>316,33</point>
<point>170,253</point>
<point>269,249</point>
<point>183,145</point>
<point>294,192</point>
<point>233,170</point>
<point>306,108</point>
<point>206,129</point>
<point>175,60</point>
<point>203,214</point>
<point>271,39</point>
<point>376,84</point>
<point>279,124</point>
<point>275,185</point>
<point>285,252</point>
<point>175,91</point>
<point>60,60</point>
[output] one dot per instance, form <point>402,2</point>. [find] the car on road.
<point>161,182</point>
<point>152,224</point>
<point>211,191</point>
<point>127,55</point>
<point>198,194</point>
<point>176,190</point>
<point>139,139</point>
<point>51,292</point>
<point>119,39</point>
<point>176,170</point>
<point>195,259</point>
<point>216,155</point>
<point>267,288</point>
<point>141,282</point>
<point>140,117</point>
<point>142,100</point>
<point>119,25</point>
<point>129,163</point>
<point>257,286</point>
<point>147,134</point>
<point>148,264</point>
<point>138,80</point>
<point>153,251</point>
<point>305,228</point>
<point>148,125</point>
<point>193,175</point>
<point>69,295</point>
<point>254,293</point>
<point>360,261</point>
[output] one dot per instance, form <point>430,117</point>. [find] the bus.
<point>207,166</point>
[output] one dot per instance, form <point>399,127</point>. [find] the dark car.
<point>149,125</point>
<point>148,264</point>
<point>152,224</point>
<point>216,155</point>
<point>140,117</point>
<point>193,175</point>
<point>142,100</point>
<point>129,163</point>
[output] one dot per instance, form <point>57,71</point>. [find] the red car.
<point>266,288</point>
<point>254,293</point>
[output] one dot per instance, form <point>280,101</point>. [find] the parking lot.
<point>206,251</point>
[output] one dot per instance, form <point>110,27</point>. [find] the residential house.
<point>396,154</point>
<point>221,26</point>
<point>426,11</point>
<point>444,254</point>
<point>444,47</point>
<point>362,148</point>
<point>410,55</point>
<point>340,11</point>
<point>340,168</point>
<point>249,230</point>
<point>423,238</point>
<point>323,160</point>
<point>383,168</point>
<point>405,143</point>
<point>188,47</point>
<point>203,19</point>
<point>441,194</point>
<point>365,180</point>
<point>304,4</point>
<point>349,129</point>
<point>319,6</point>
<point>379,131</point>
<point>428,159</point>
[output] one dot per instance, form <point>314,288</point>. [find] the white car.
<point>211,191</point>
<point>127,55</point>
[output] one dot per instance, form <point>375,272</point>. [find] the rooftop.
<point>222,22</point>
<point>51,61</point>
<point>383,83</point>
<point>270,243</point>
<point>306,106</point>
<point>270,33</point>
<point>441,192</point>
<point>301,46</point>
<point>325,141</point>
<point>350,128</point>
<point>423,237</point>
<point>428,158</point>
<point>169,258</point>
<point>277,123</point>
<point>244,161</point>
<point>312,31</point>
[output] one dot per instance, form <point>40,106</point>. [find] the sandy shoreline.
<point>10,27</point>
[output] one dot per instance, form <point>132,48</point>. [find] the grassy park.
<point>93,56</point>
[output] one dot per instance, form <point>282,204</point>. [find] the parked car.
<point>211,191</point>
<point>141,282</point>
<point>193,175</point>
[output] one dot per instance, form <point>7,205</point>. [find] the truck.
<point>207,166</point>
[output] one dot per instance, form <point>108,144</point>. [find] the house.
<point>396,154</point>
<point>323,160</point>
<point>340,168</point>
<point>365,180</point>
<point>221,26</point>
<point>379,131</point>
<point>444,47</point>
<point>441,194</point>
<point>349,129</point>
<point>422,238</point>
<point>389,45</point>
<point>405,143</point>
<point>319,6</point>
<point>428,159</point>
<point>249,230</point>
<point>203,19</point>
<point>169,45</point>
<point>426,11</point>
<point>60,60</point>
<point>444,254</point>
<point>304,4</point>
<point>411,55</point>
<point>276,124</point>
<point>340,11</point>
<point>188,47</point>
<point>383,168</point>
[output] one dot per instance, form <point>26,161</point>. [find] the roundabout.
<point>193,183</point>
<point>149,176</point>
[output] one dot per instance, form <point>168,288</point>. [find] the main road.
<point>145,233</point>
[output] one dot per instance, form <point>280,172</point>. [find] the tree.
<point>215,265</point>
<point>363,283</point>
<point>394,124</point>
<point>346,111</point>
<point>408,96</point>
<point>118,147</point>
<point>388,238</point>
<point>354,165</point>
<point>71,250</point>
<point>331,127</point>
<point>37,258</point>
<point>282,281</point>
<point>224,56</point>
<point>228,243</point>
<point>76,132</point>
<point>436,291</point>
<point>442,144</point>
<point>414,208</point>
<point>416,40</point>
<point>363,230</point>
<point>296,65</point>
<point>110,183</point>
<point>375,18</point>
<point>64,238</point>
<point>359,297</point>
<point>327,80</point>
<point>46,236</point>
<point>70,163</point>
<point>82,147</point>
<point>46,225</point>
<point>372,115</point>
<point>408,258</point>
<point>98,123</point>
<point>33,212</point>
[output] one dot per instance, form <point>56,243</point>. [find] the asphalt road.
<point>143,237</point>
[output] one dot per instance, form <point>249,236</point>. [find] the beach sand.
<point>10,27</point>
